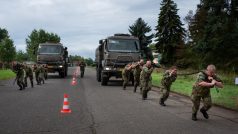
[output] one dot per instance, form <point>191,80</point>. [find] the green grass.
<point>227,97</point>
<point>6,74</point>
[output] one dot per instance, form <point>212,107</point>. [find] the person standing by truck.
<point>82,66</point>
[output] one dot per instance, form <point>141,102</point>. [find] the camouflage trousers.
<point>31,80</point>
<point>136,80</point>
<point>146,85</point>
<point>20,82</point>
<point>164,93</point>
<point>125,78</point>
<point>196,99</point>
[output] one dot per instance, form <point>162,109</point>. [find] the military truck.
<point>55,56</point>
<point>113,53</point>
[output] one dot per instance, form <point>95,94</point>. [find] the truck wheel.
<point>66,73</point>
<point>62,74</point>
<point>104,80</point>
<point>98,75</point>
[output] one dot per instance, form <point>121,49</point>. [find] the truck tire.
<point>98,75</point>
<point>62,74</point>
<point>66,73</point>
<point>104,80</point>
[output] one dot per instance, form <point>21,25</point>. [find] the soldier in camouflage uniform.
<point>168,78</point>
<point>82,65</point>
<point>201,90</point>
<point>146,79</point>
<point>126,72</point>
<point>29,73</point>
<point>41,74</point>
<point>45,68</point>
<point>37,73</point>
<point>20,74</point>
<point>137,70</point>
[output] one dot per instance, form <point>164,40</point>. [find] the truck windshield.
<point>123,45</point>
<point>49,49</point>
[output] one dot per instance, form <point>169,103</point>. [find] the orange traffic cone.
<point>74,82</point>
<point>65,108</point>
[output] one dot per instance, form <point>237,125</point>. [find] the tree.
<point>139,29</point>
<point>89,61</point>
<point>8,50</point>
<point>21,56</point>
<point>35,38</point>
<point>214,33</point>
<point>3,34</point>
<point>170,32</point>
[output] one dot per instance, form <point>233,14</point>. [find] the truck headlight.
<point>60,66</point>
<point>107,68</point>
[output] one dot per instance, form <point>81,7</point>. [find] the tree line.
<point>211,36</point>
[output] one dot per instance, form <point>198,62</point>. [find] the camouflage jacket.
<point>29,71</point>
<point>137,69</point>
<point>145,74</point>
<point>168,79</point>
<point>126,70</point>
<point>199,90</point>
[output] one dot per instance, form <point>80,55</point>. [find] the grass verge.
<point>6,74</point>
<point>227,97</point>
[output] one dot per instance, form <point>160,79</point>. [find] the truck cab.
<point>113,53</point>
<point>55,56</point>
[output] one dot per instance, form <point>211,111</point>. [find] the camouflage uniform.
<point>45,72</point>
<point>126,72</point>
<point>203,93</point>
<point>20,74</point>
<point>29,73</point>
<point>82,68</point>
<point>37,73</point>
<point>146,80</point>
<point>166,83</point>
<point>41,74</point>
<point>136,73</point>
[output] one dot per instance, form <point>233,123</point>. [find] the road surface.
<point>100,109</point>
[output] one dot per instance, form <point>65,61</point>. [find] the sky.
<point>80,23</point>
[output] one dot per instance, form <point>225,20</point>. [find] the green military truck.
<point>55,56</point>
<point>113,53</point>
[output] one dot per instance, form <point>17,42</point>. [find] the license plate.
<point>50,66</point>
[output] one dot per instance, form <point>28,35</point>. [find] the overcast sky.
<point>80,23</point>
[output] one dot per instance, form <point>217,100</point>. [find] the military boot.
<point>161,102</point>
<point>32,85</point>
<point>194,117</point>
<point>124,87</point>
<point>20,87</point>
<point>135,88</point>
<point>144,95</point>
<point>204,112</point>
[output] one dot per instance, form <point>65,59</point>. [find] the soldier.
<point>168,78</point>
<point>45,68</point>
<point>29,73</point>
<point>146,79</point>
<point>41,74</point>
<point>82,68</point>
<point>18,69</point>
<point>201,90</point>
<point>137,70</point>
<point>37,73</point>
<point>126,72</point>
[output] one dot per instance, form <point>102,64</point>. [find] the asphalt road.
<point>100,109</point>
